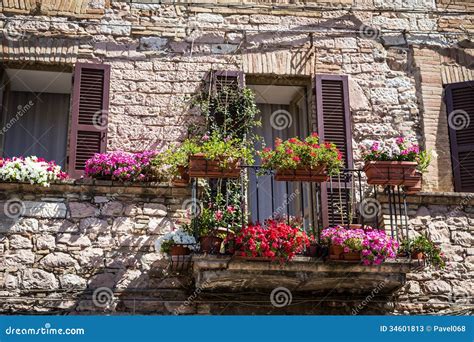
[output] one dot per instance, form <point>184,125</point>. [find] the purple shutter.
<point>90,104</point>
<point>334,125</point>
<point>459,99</point>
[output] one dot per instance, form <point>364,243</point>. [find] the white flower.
<point>178,236</point>
<point>29,170</point>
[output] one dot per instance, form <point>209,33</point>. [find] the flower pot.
<point>337,253</point>
<point>392,173</point>
<point>316,175</point>
<point>210,244</point>
<point>184,178</point>
<point>411,190</point>
<point>179,250</point>
<point>313,250</point>
<point>417,255</point>
<point>201,167</point>
<point>242,256</point>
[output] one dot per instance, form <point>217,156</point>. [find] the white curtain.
<point>41,130</point>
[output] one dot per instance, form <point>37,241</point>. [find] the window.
<point>459,99</point>
<point>35,114</point>
<point>284,113</point>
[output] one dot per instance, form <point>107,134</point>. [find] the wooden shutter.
<point>334,125</point>
<point>459,99</point>
<point>90,104</point>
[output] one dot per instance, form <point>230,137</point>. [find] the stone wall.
<point>83,248</point>
<point>160,53</point>
<point>59,245</point>
<point>74,239</point>
<point>449,221</point>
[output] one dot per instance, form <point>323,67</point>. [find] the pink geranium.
<point>120,165</point>
<point>373,244</point>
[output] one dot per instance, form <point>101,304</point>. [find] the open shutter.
<point>459,99</point>
<point>90,104</point>
<point>334,125</point>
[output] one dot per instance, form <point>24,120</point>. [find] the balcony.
<point>302,274</point>
<point>343,200</point>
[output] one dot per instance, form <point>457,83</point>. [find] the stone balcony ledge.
<point>302,274</point>
<point>94,186</point>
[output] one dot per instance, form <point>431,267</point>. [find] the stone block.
<point>44,209</point>
<point>37,279</point>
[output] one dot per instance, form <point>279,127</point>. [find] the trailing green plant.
<point>231,111</point>
<point>423,244</point>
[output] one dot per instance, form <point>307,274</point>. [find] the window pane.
<point>41,130</point>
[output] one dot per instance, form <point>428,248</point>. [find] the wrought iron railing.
<point>345,199</point>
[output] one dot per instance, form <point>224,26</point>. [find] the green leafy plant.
<point>308,154</point>
<point>231,111</point>
<point>213,146</point>
<point>423,244</point>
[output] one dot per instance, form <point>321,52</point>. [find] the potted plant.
<point>395,162</point>
<point>218,157</point>
<point>121,166</point>
<point>176,159</point>
<point>370,245</point>
<point>216,223</point>
<point>176,242</point>
<point>422,248</point>
<point>306,161</point>
<point>32,169</point>
<point>274,240</point>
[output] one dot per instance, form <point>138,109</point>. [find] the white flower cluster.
<point>30,169</point>
<point>179,237</point>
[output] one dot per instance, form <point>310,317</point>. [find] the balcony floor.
<point>302,274</point>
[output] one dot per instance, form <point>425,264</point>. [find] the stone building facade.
<point>74,238</point>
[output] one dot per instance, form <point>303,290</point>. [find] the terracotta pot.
<point>179,250</point>
<point>313,250</point>
<point>392,173</point>
<point>210,244</point>
<point>200,167</point>
<point>183,177</point>
<point>417,255</point>
<point>316,175</point>
<point>242,256</point>
<point>337,253</point>
<point>411,190</point>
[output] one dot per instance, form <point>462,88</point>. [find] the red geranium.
<point>274,240</point>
